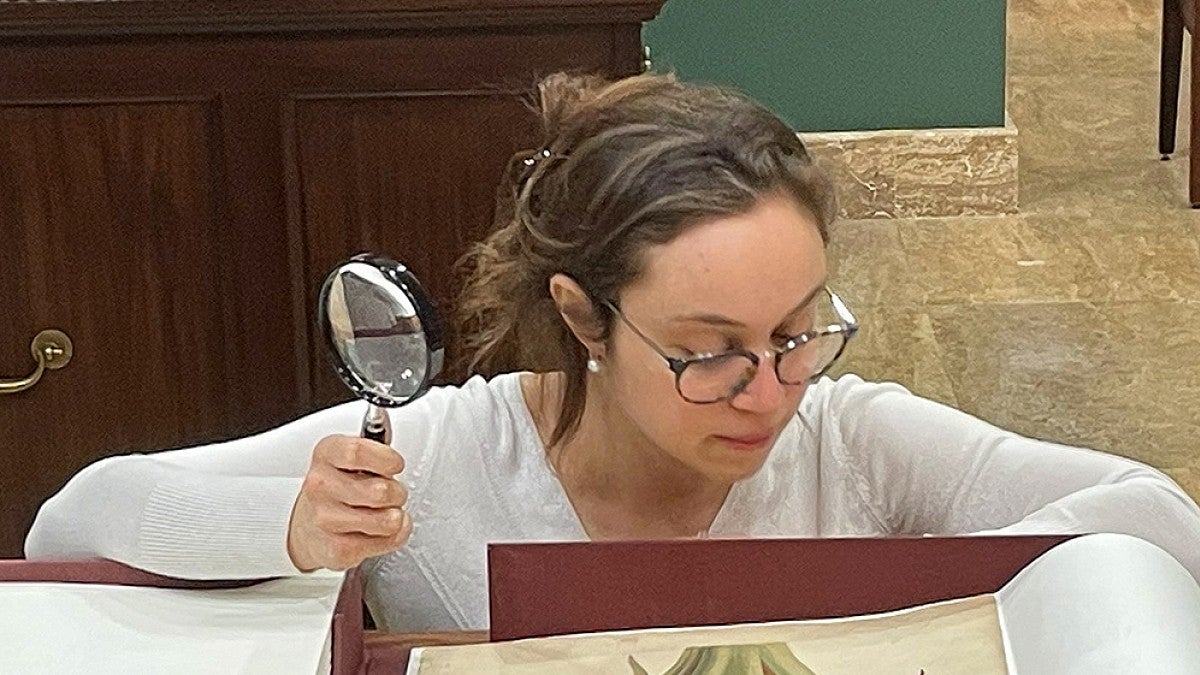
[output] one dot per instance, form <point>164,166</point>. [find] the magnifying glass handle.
<point>375,425</point>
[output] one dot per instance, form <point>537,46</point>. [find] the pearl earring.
<point>593,365</point>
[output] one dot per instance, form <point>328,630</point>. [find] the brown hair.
<point>623,165</point>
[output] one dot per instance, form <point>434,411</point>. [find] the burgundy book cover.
<point>347,645</point>
<point>554,589</point>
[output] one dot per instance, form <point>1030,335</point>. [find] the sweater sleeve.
<point>218,511</point>
<point>930,468</point>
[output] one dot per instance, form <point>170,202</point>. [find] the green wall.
<point>836,65</point>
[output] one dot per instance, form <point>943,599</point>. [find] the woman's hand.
<point>350,507</point>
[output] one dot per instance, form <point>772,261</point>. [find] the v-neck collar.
<point>726,523</point>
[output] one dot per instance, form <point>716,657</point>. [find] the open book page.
<point>280,626</point>
<point>960,636</point>
<point>1100,604</point>
<point>1095,605</point>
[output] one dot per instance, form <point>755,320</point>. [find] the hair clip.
<point>537,157</point>
<point>529,164</point>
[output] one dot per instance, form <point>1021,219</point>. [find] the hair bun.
<point>561,95</point>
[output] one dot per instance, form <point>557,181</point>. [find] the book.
<point>1095,604</point>
<point>277,626</point>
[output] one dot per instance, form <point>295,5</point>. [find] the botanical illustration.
<point>773,658</point>
<point>955,636</point>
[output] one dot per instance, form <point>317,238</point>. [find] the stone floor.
<point>1078,320</point>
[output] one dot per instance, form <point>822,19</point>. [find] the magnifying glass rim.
<point>398,274</point>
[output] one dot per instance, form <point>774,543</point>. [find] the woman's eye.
<point>707,347</point>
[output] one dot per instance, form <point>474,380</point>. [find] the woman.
<point>657,282</point>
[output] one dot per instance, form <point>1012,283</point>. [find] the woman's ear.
<point>578,312</point>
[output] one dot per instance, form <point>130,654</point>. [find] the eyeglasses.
<point>712,378</point>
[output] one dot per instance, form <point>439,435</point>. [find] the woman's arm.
<point>933,469</point>
<point>207,512</point>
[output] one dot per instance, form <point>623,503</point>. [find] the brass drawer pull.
<point>52,350</point>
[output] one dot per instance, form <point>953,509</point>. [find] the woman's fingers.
<point>368,490</point>
<point>350,549</point>
<point>350,453</point>
<point>341,519</point>
<point>350,508</point>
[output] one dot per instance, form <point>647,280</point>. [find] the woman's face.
<point>732,282</point>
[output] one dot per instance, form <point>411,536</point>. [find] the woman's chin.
<point>733,460</point>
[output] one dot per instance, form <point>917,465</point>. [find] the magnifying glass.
<point>383,334</point>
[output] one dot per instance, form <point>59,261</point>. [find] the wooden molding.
<point>124,17</point>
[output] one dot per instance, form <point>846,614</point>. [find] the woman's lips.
<point>748,443</point>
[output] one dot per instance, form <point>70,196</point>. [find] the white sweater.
<point>869,459</point>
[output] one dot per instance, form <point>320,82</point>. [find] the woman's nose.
<point>765,392</point>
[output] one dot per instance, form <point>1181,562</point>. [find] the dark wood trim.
<point>410,640</point>
<point>223,212</point>
<point>408,93</point>
<point>184,17</point>
<point>90,101</point>
<point>1171,60</point>
<point>628,54</point>
<point>297,255</point>
<point>1188,12</point>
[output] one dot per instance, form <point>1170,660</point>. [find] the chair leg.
<point>1169,72</point>
<point>1194,141</point>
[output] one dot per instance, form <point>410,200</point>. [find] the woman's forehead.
<point>750,267</point>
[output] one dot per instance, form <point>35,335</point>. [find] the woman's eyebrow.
<point>722,320</point>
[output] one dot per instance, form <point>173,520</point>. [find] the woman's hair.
<point>622,166</point>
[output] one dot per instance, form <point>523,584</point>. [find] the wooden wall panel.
<point>409,175</point>
<point>371,62</point>
<point>108,212</point>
